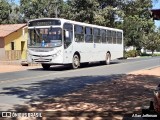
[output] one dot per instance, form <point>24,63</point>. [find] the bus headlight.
<point>56,54</point>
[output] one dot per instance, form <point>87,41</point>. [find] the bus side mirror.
<point>66,33</point>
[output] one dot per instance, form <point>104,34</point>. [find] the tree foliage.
<point>32,9</point>
<point>137,21</point>
<point>5,10</point>
<point>152,41</point>
<point>98,12</point>
<point>15,15</point>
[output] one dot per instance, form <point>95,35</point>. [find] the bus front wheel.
<point>46,66</point>
<point>108,59</point>
<point>75,61</point>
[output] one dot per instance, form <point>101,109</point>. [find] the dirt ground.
<point>117,99</point>
<point>151,71</point>
<point>12,68</point>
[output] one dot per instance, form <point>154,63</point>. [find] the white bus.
<point>57,41</point>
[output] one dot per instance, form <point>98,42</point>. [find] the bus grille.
<point>42,55</point>
<point>41,49</point>
<point>45,60</point>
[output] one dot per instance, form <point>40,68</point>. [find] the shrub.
<point>131,53</point>
<point>156,54</point>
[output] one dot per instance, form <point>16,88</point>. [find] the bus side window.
<point>88,35</point>
<point>109,36</point>
<point>97,37</point>
<point>119,37</point>
<point>79,33</point>
<point>114,37</point>
<point>103,36</point>
<point>68,28</point>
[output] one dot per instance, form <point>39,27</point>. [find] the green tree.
<point>31,9</point>
<point>98,12</point>
<point>81,10</point>
<point>136,22</point>
<point>15,15</point>
<point>111,12</point>
<point>5,10</point>
<point>152,41</point>
<point>66,10</point>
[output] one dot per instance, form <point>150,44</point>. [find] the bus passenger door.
<point>68,37</point>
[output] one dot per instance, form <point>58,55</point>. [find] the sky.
<point>156,5</point>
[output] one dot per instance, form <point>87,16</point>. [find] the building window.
<point>12,45</point>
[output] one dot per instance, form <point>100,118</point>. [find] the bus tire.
<point>46,66</point>
<point>75,61</point>
<point>108,59</point>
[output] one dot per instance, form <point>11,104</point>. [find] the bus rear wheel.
<point>75,61</point>
<point>108,59</point>
<point>46,66</point>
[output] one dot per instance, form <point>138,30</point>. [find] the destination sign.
<point>44,23</point>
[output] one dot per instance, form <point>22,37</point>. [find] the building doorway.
<point>23,52</point>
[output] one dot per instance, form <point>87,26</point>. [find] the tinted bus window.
<point>114,37</point>
<point>103,35</point>
<point>88,35</point>
<point>109,36</point>
<point>119,37</point>
<point>68,26</point>
<point>67,41</point>
<point>88,31</point>
<point>97,37</point>
<point>79,33</point>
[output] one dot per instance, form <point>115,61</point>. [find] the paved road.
<point>17,88</point>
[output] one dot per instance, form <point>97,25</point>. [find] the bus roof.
<point>78,23</point>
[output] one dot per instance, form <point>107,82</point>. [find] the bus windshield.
<point>45,37</point>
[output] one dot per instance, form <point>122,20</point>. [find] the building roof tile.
<point>6,29</point>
